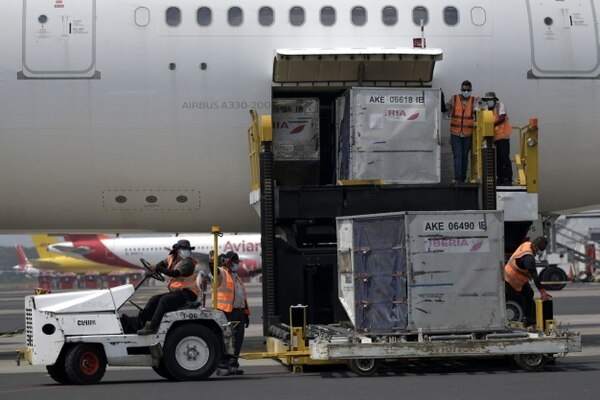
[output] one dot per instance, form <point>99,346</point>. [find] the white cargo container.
<point>296,129</point>
<point>389,134</point>
<point>430,272</point>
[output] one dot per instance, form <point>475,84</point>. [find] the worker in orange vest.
<point>233,301</point>
<point>519,269</point>
<point>180,267</point>
<point>461,110</point>
<point>502,131</point>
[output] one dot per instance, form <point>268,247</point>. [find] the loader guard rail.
<point>527,159</point>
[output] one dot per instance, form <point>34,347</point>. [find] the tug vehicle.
<point>76,334</point>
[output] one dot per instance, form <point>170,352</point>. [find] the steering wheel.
<point>149,272</point>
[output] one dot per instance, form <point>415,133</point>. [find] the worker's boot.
<point>146,330</point>
<point>236,371</point>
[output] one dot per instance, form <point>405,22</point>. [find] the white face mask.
<point>466,94</point>
<point>491,103</point>
<point>235,267</point>
<point>185,253</point>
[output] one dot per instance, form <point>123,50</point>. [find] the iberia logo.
<point>285,126</point>
<point>400,114</point>
<point>476,246</point>
<point>297,129</point>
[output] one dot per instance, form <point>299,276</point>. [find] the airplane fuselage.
<point>133,115</point>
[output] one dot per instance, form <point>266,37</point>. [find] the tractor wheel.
<point>85,363</point>
<point>191,352</point>
<point>162,371</point>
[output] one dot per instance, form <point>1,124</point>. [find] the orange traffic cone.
<point>571,275</point>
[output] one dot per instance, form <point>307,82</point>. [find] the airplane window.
<point>142,16</point>
<point>151,199</point>
<point>297,16</point>
<point>173,16</point>
<point>204,16</point>
<point>359,16</point>
<point>478,16</point>
<point>121,199</point>
<point>235,16</point>
<point>389,16</point>
<point>451,16</point>
<point>420,13</point>
<point>181,198</point>
<point>327,16</point>
<point>266,16</point>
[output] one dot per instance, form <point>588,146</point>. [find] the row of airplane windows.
<point>297,16</point>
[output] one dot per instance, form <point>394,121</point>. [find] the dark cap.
<point>231,256</point>
<point>183,244</point>
<point>466,83</point>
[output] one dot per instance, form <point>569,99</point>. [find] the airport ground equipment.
<point>421,285</point>
<point>430,285</point>
<point>374,147</point>
<point>76,334</point>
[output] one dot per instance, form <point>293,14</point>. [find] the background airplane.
<point>48,261</point>
<point>125,252</point>
<point>24,266</point>
<point>132,115</point>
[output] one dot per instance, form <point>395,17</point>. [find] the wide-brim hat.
<point>489,96</point>
<point>183,244</point>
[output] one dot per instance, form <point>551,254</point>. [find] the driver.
<point>180,267</point>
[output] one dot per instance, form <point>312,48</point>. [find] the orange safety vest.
<point>226,293</point>
<point>515,276</point>
<point>182,282</point>
<point>503,130</point>
<point>462,119</point>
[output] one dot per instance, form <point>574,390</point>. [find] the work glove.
<point>247,321</point>
<point>544,294</point>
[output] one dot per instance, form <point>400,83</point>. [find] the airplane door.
<point>564,38</point>
<point>59,39</point>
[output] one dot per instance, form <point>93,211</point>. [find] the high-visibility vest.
<point>182,282</point>
<point>503,130</point>
<point>226,293</point>
<point>462,118</point>
<point>515,276</point>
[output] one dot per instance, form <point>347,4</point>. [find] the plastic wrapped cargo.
<point>422,271</point>
<point>389,134</point>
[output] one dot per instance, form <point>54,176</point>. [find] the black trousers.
<point>524,298</point>
<point>237,315</point>
<point>503,164</point>
<point>160,304</point>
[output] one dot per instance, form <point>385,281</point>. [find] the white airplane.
<point>132,115</point>
<point>125,252</point>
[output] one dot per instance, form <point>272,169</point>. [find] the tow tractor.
<point>77,334</point>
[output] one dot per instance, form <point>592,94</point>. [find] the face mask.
<point>185,253</point>
<point>491,103</point>
<point>235,267</point>
<point>466,94</point>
